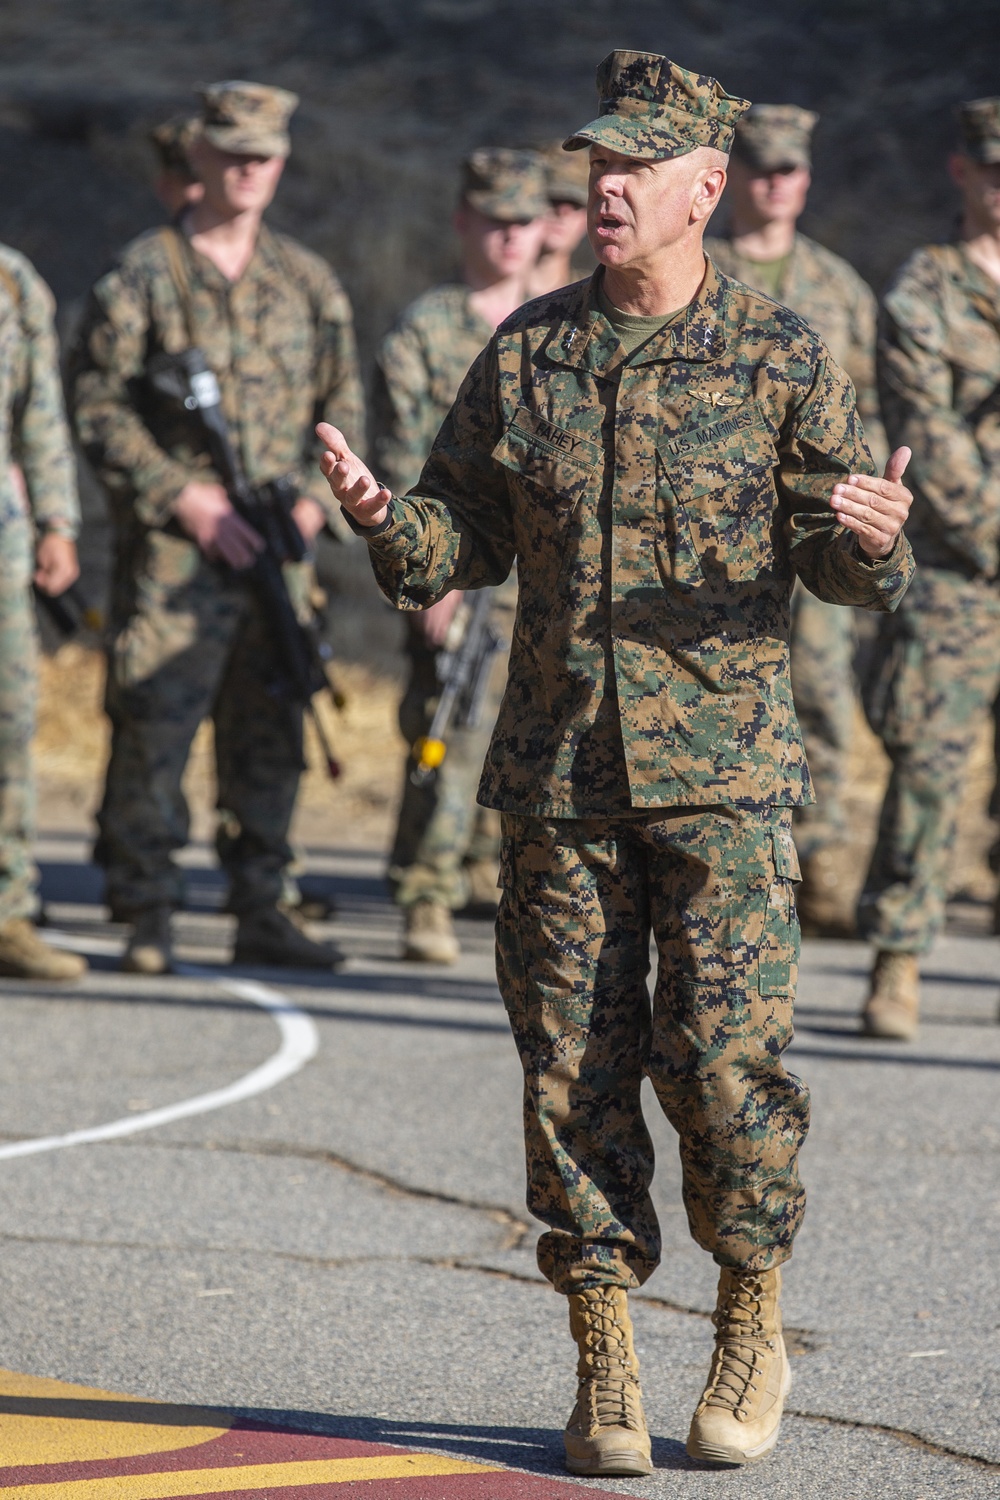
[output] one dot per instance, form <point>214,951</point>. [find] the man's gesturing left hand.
<point>875,509</point>
<point>351,481</point>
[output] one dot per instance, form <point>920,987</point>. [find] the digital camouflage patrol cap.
<point>980,122</point>
<point>505,184</point>
<point>772,136</point>
<point>567,175</point>
<point>651,108</point>
<point>171,140</point>
<point>248,118</point>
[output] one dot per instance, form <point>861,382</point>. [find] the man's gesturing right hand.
<point>351,481</point>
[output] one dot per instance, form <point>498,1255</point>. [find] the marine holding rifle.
<point>444,855</point>
<point>192,636</point>
<point>39,520</point>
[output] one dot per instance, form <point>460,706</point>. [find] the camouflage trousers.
<point>822,659</point>
<point>18,693</point>
<point>195,646</point>
<point>935,673</point>
<point>440,830</point>
<point>581,897</point>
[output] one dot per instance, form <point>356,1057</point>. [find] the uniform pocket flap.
<point>786,859</point>
<point>722,455</point>
<point>551,456</point>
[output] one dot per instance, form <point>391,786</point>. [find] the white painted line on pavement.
<point>299,1044</point>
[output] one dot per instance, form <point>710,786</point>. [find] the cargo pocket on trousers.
<point>779,944</point>
<point>510,957</point>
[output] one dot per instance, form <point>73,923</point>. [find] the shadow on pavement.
<point>539,1450</point>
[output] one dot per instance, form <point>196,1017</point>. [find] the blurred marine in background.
<point>190,637</point>
<point>938,663</point>
<point>39,521</point>
<point>566,179</point>
<point>445,849</point>
<point>175,182</point>
<point>769,179</point>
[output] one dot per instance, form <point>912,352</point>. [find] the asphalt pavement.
<point>343,1249</point>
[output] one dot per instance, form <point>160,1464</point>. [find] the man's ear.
<point>958,168</point>
<point>708,191</point>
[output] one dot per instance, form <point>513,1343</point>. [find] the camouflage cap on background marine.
<point>248,118</point>
<point>567,174</point>
<point>171,140</point>
<point>651,108</point>
<point>980,122</point>
<point>772,136</point>
<point>505,184</point>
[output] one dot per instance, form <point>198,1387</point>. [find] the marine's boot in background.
<point>484,895</point>
<point>149,949</point>
<point>272,936</point>
<point>827,897</point>
<point>892,1009</point>
<point>606,1433</point>
<point>23,954</point>
<point>429,935</point>
<point>739,1415</point>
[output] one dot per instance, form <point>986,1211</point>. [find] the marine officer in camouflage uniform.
<point>39,521</point>
<point>566,221</point>
<point>938,667</point>
<point>769,180</point>
<point>189,637</point>
<point>663,451</point>
<point>445,850</point>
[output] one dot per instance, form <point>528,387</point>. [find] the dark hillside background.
<point>394,92</point>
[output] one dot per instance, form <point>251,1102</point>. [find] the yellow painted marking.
<point>50,1422</point>
<point>246,1479</point>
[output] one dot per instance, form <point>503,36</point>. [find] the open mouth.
<point>608,222</point>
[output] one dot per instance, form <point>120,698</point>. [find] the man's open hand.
<point>875,509</point>
<point>351,481</point>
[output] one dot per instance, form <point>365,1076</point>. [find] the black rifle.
<point>465,674</point>
<point>69,611</point>
<point>187,378</point>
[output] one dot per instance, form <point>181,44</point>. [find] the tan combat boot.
<point>606,1433</point>
<point>23,955</point>
<point>149,950</point>
<point>484,896</point>
<point>892,1009</point>
<point>827,897</point>
<point>739,1415</point>
<point>430,934</point>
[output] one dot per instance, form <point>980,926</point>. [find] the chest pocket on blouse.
<point>560,463</point>
<point>724,488</point>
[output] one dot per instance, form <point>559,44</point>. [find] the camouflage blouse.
<point>659,509</point>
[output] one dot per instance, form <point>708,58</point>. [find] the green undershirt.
<point>633,331</point>
<point>768,275</point>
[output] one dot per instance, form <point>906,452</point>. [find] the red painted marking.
<point>249,1444</point>
<point>253,1444</point>
<point>502,1484</point>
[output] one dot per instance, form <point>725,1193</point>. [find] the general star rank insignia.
<point>716,399</point>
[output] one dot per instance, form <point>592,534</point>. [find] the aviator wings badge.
<point>717,400</point>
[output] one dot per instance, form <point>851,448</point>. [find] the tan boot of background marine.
<point>606,1433</point>
<point>430,934</point>
<point>739,1415</point>
<point>827,897</point>
<point>892,1009</point>
<point>23,955</point>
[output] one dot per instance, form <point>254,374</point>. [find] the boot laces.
<point>741,1342</point>
<point>609,1390</point>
